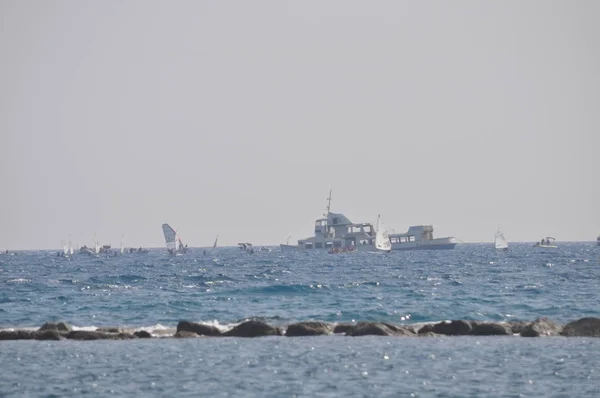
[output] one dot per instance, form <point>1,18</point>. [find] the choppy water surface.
<point>154,291</point>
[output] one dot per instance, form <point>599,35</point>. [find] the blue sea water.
<point>154,291</point>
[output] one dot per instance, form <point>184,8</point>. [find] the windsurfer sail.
<point>173,241</point>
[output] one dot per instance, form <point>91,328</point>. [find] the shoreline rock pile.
<point>584,327</point>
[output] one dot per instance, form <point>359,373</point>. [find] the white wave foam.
<point>18,280</point>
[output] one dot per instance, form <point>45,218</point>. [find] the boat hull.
<point>433,244</point>
<point>422,245</point>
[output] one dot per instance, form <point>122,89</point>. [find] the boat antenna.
<point>328,204</point>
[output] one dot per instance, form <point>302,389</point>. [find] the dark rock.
<point>308,329</point>
<point>17,334</point>
<point>49,335</point>
<point>185,334</point>
<point>109,330</point>
<point>541,327</point>
<point>60,326</point>
<point>425,329</point>
<point>88,335</point>
<point>452,328</point>
<point>427,334</point>
<point>401,330</point>
<point>198,328</point>
<point>342,328</point>
<point>584,327</point>
<point>517,326</point>
<point>412,328</point>
<point>491,329</point>
<point>142,334</point>
<point>253,329</point>
<point>378,329</point>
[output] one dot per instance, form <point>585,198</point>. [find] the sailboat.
<point>216,240</point>
<point>65,248</point>
<point>122,247</point>
<point>174,244</point>
<point>96,245</point>
<point>70,247</point>
<point>500,241</point>
<point>382,240</point>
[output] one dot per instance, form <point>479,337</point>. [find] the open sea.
<point>154,291</point>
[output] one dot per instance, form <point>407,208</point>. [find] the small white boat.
<point>382,240</point>
<point>246,246</point>
<point>500,241</point>
<point>122,247</point>
<point>547,243</point>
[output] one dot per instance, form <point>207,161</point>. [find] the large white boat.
<point>335,233</point>
<point>420,237</point>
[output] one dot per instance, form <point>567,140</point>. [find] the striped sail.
<point>170,237</point>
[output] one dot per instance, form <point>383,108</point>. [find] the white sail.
<point>382,240</point>
<point>122,247</point>
<point>170,236</point>
<point>70,247</point>
<point>500,241</point>
<point>65,248</point>
<point>173,241</point>
<point>96,245</point>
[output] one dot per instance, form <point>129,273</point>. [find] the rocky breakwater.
<point>584,327</point>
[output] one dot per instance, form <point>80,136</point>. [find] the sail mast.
<point>328,204</point>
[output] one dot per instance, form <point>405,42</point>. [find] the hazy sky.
<point>236,117</point>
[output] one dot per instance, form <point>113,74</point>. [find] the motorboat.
<point>547,243</point>
<point>246,247</point>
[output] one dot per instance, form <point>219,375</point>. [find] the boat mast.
<point>328,204</point>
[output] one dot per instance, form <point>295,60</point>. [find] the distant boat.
<point>97,247</point>
<point>122,247</point>
<point>216,240</point>
<point>65,248</point>
<point>500,241</point>
<point>71,251</point>
<point>174,244</point>
<point>382,240</point>
<point>547,243</point>
<point>335,233</point>
<point>246,246</point>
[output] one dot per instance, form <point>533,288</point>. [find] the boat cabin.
<point>414,234</point>
<point>337,231</point>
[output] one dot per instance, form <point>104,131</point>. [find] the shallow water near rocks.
<point>155,291</point>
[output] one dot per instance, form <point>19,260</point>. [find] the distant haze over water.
<point>237,118</point>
